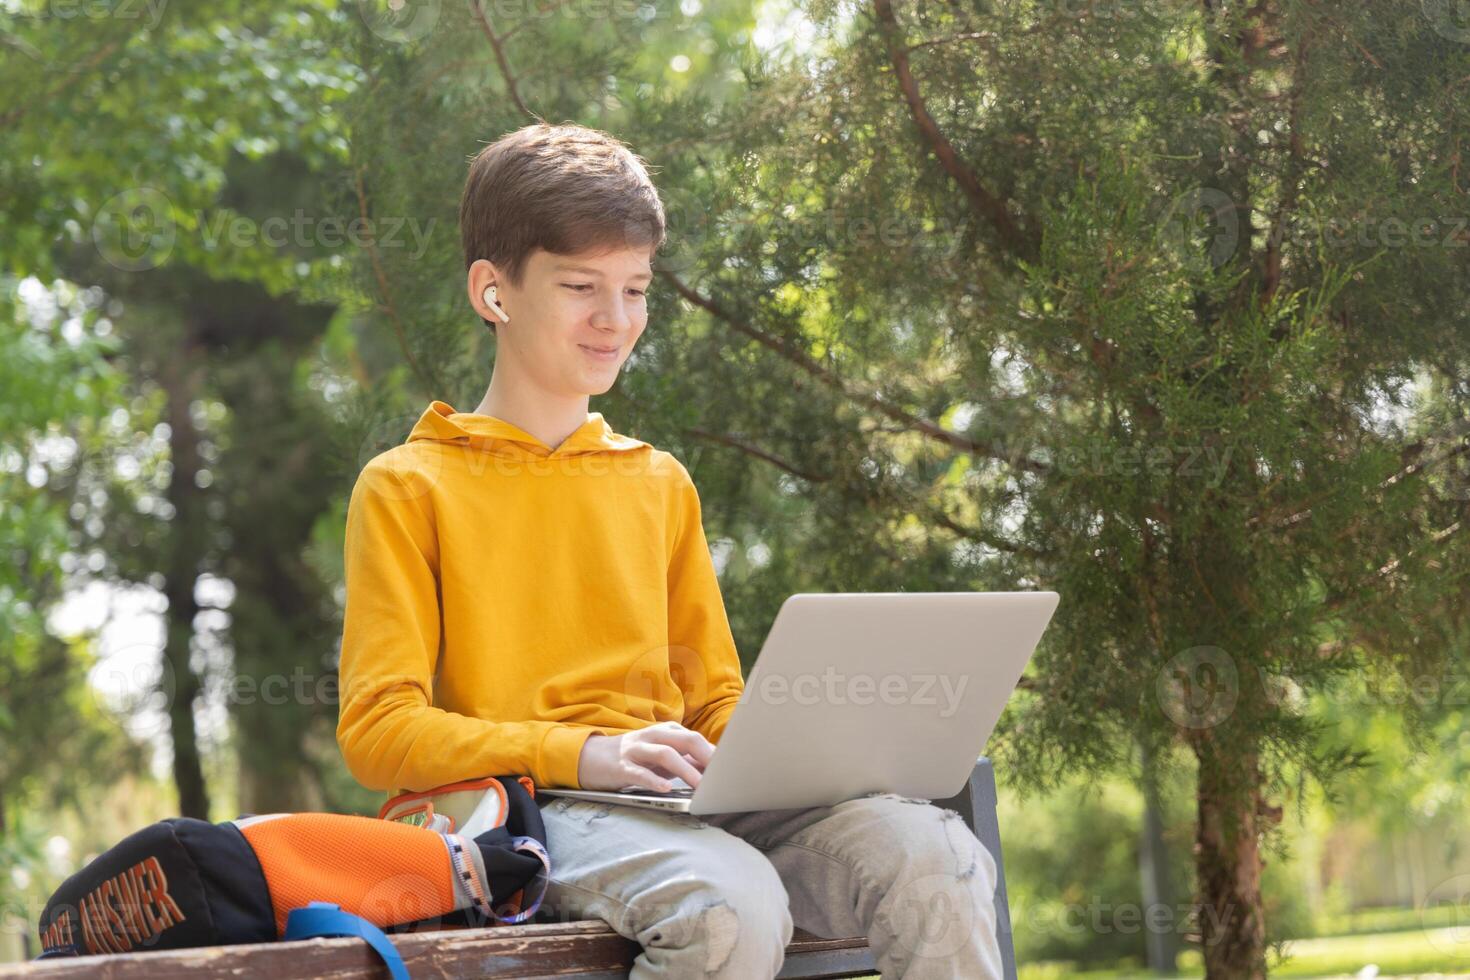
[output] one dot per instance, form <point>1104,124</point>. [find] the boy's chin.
<point>599,386</point>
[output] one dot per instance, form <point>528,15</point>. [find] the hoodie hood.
<point>441,423</point>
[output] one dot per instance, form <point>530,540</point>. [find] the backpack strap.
<point>328,919</point>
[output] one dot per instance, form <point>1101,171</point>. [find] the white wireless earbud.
<point>489,299</point>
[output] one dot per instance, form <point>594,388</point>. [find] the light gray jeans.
<point>717,896</point>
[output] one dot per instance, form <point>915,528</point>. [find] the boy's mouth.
<point>601,353</point>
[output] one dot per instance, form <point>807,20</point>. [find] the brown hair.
<point>567,189</point>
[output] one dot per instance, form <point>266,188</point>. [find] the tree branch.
<point>540,13</point>
<point>1294,169</point>
<point>734,442</point>
<point>987,39</point>
<point>871,399</point>
<point>992,208</point>
<point>1385,571</point>
<point>73,73</point>
<point>500,58</point>
<point>386,304</point>
<point>1346,36</point>
<point>933,513</point>
<point>752,450</point>
<point>939,517</point>
<point>1416,466</point>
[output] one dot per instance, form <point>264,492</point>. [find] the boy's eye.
<point>579,286</point>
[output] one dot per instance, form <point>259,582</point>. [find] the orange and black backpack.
<point>183,882</point>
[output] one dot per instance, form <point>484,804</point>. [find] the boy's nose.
<point>614,320</point>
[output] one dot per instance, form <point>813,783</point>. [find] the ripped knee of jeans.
<point>716,926</point>
<point>963,842</point>
<point>964,846</point>
<point>585,810</point>
<point>686,820</point>
<point>721,926</point>
<point>894,796</point>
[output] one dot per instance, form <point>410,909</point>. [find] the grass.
<point>1392,920</point>
<point>1443,952</point>
<point>1419,951</point>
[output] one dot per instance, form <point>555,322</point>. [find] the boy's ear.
<point>482,273</point>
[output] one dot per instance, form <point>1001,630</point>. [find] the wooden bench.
<point>588,949</point>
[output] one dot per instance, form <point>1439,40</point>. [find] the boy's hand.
<point>647,758</point>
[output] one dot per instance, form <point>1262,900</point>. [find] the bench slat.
<point>549,949</point>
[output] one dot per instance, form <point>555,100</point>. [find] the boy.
<point>529,592</point>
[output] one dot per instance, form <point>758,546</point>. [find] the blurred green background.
<point>1161,305</point>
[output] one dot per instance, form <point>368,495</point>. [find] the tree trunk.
<point>1228,859</point>
<point>1162,945</point>
<point>277,486</point>
<point>179,377</point>
<point>294,791</point>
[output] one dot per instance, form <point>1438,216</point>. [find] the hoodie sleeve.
<point>391,736</point>
<point>698,624</point>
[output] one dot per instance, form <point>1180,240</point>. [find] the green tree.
<point>187,203</point>
<point>1229,444</point>
<point>54,733</point>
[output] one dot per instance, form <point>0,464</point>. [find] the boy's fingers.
<point>691,758</point>
<point>690,741</point>
<point>687,758</point>
<point>682,766</point>
<point>667,759</point>
<point>643,778</point>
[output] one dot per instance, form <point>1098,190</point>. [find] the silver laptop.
<point>855,693</point>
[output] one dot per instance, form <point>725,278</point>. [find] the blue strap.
<point>328,919</point>
<point>55,952</point>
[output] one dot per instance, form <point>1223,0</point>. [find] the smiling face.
<point>574,318</point>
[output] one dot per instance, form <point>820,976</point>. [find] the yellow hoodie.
<point>506,600</point>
